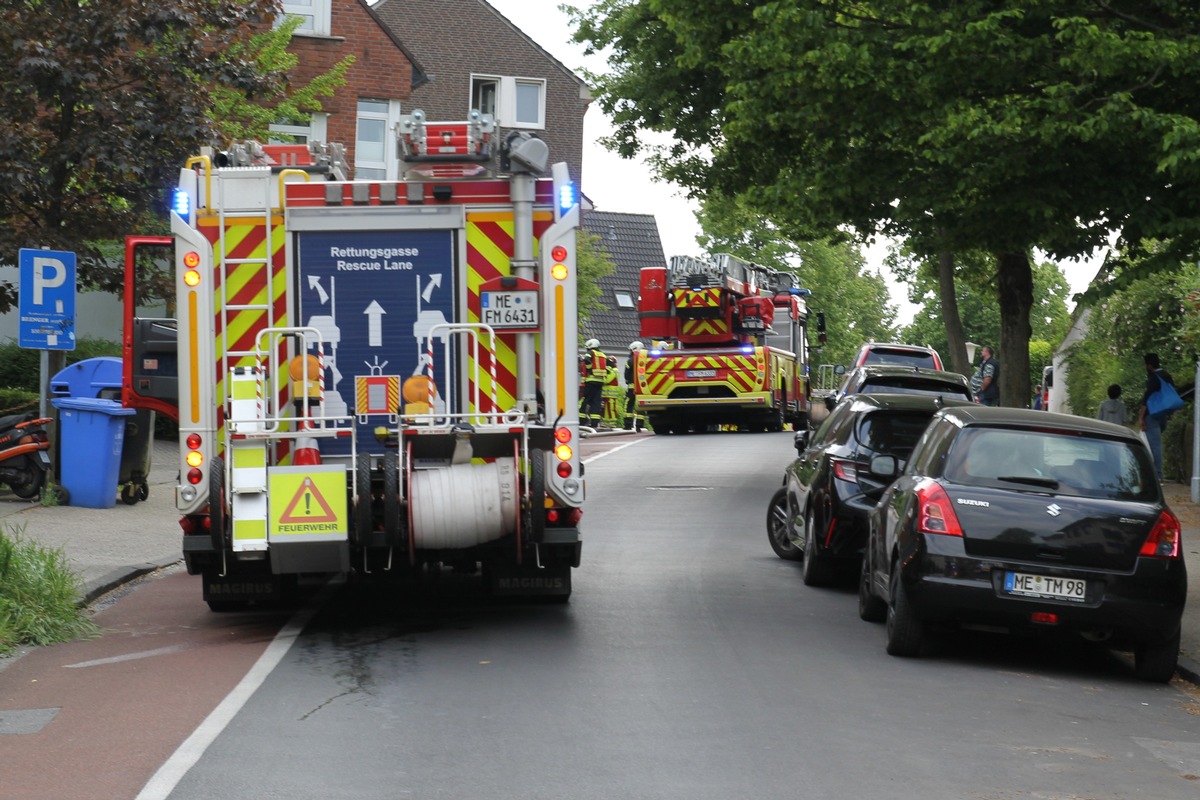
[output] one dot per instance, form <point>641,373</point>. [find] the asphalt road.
<point>690,663</point>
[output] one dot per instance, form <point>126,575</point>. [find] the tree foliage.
<point>593,263</point>
<point>967,126</point>
<point>102,101</point>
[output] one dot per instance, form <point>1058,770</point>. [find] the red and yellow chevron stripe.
<point>692,328</point>
<point>697,298</point>
<point>741,372</point>
<point>246,282</point>
<point>489,255</point>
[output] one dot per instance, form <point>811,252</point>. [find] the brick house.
<point>362,113</point>
<point>474,57</point>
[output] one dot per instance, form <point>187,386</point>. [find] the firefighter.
<point>595,373</point>
<point>632,423</point>
<point>612,394</point>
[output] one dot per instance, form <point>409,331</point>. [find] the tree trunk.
<point>1014,289</point>
<point>954,329</point>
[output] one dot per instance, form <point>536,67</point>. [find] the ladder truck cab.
<point>729,346</point>
<point>371,375</point>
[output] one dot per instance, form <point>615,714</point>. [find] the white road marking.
<point>168,776</point>
<point>161,651</point>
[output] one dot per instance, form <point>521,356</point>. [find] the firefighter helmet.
<point>635,346</point>
<point>591,343</point>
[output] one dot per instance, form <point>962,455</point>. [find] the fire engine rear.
<point>375,375</point>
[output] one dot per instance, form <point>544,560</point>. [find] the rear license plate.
<point>702,373</point>
<point>1026,585</point>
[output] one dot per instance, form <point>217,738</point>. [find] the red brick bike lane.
<point>96,718</point>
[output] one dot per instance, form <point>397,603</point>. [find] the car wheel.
<point>779,527</point>
<point>1157,663</point>
<point>905,633</point>
<point>870,607</point>
<point>816,565</point>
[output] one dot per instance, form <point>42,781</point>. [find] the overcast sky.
<point>616,184</point>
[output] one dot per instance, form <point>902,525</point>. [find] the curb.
<point>120,577</point>
<point>1188,670</point>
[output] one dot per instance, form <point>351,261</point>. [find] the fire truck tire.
<point>535,520</point>
<point>216,503</point>
<point>363,523</point>
<point>779,525</point>
<point>391,498</point>
<point>816,569</point>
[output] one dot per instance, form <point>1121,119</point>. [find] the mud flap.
<point>240,589</point>
<point>527,580</point>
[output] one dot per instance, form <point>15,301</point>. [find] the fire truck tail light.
<point>194,458</point>
<point>564,469</point>
<point>194,476</point>
<point>552,515</point>
<point>559,271</point>
<point>191,277</point>
<point>559,253</point>
<point>563,452</point>
<point>194,441</point>
<point>562,435</point>
<point>191,259</point>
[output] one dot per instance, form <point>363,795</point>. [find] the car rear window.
<point>1071,464</point>
<point>908,358</point>
<point>909,384</point>
<point>892,433</point>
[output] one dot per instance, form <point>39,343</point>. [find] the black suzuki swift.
<point>1027,520</point>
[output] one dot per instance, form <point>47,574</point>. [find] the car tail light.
<point>934,512</point>
<point>1043,618</point>
<point>1163,541</point>
<point>845,470</point>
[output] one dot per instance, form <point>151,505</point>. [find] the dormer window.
<point>514,102</point>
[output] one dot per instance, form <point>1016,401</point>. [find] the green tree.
<point>966,126</point>
<point>593,263</point>
<point>101,101</point>
<point>855,302</point>
<point>237,116</point>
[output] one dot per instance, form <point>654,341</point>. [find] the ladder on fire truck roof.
<point>730,272</point>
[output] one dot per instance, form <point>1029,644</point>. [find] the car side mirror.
<point>884,466</point>
<point>800,440</point>
<point>840,369</point>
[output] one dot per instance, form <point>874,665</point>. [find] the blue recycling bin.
<point>89,378</point>
<point>91,435</point>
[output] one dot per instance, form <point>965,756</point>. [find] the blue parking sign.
<point>46,300</point>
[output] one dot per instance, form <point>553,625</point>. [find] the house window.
<point>374,145</point>
<point>514,102</point>
<point>314,13</point>
<point>624,299</point>
<point>314,131</point>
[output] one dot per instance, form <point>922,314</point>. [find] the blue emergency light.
<point>566,198</point>
<point>181,203</point>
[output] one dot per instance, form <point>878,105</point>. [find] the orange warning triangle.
<point>307,487</point>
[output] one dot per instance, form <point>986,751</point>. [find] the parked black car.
<point>1029,521</point>
<point>899,379</point>
<point>820,513</point>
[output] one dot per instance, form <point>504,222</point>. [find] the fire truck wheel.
<point>363,523</point>
<point>779,527</point>
<point>816,565</point>
<point>216,503</point>
<point>391,498</point>
<point>535,522</point>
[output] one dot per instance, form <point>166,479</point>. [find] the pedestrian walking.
<point>1113,409</point>
<point>989,373</point>
<point>1154,422</point>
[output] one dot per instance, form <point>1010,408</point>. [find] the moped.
<point>24,453</point>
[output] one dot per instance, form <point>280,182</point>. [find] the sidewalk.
<point>110,546</point>
<point>107,546</point>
